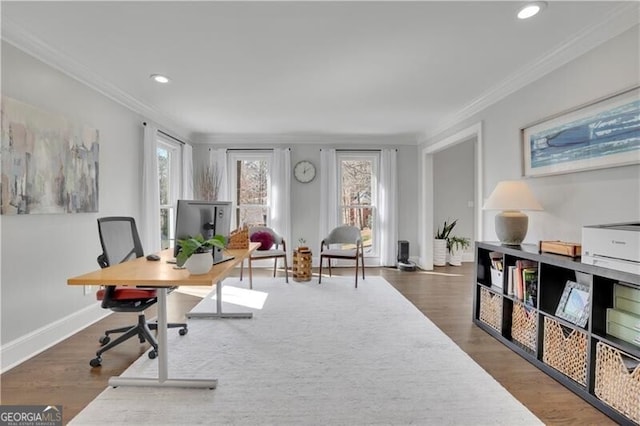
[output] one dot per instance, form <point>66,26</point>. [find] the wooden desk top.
<point>143,272</point>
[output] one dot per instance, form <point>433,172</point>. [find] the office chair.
<point>121,243</point>
<point>278,250</point>
<point>345,234</point>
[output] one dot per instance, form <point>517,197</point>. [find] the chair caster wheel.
<point>183,331</point>
<point>153,354</point>
<point>96,362</point>
<point>104,340</point>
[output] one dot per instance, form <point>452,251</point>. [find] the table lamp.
<point>510,197</point>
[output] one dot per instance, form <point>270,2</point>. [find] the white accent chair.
<point>342,235</point>
<point>277,251</point>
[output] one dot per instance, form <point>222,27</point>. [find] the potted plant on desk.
<point>195,253</point>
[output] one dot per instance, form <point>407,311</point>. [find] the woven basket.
<point>239,239</point>
<point>491,309</point>
<point>524,328</point>
<point>615,385</point>
<point>566,354</point>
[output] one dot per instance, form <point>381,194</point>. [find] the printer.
<point>614,246</point>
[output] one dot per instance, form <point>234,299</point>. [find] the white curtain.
<point>328,192</point>
<point>149,225</point>
<point>281,195</point>
<point>218,164</point>
<point>388,207</point>
<point>187,172</point>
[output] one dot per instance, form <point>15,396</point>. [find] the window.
<point>169,164</point>
<point>250,183</point>
<point>358,182</point>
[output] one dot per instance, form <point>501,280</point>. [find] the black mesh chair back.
<point>120,240</point>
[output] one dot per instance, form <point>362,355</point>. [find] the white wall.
<point>39,252</point>
<point>305,198</point>
<point>453,188</point>
<point>570,200</point>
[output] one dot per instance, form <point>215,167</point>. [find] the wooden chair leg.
<point>275,266</point>
<point>286,270</point>
<point>356,269</point>
<point>250,274</point>
<point>320,271</point>
<point>241,268</point>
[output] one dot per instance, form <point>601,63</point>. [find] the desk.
<point>163,275</point>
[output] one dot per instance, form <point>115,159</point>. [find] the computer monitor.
<point>206,218</point>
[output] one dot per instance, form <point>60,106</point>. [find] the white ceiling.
<point>309,67</point>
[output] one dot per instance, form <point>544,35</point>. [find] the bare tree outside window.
<point>357,197</point>
<point>252,192</point>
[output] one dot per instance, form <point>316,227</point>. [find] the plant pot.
<point>439,252</point>
<point>455,257</point>
<point>199,263</point>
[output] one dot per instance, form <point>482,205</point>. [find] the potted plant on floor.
<point>440,243</point>
<point>456,246</point>
<point>195,253</point>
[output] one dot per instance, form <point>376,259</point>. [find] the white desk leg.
<point>163,361</point>
<point>219,314</point>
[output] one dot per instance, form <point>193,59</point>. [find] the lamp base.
<point>511,227</point>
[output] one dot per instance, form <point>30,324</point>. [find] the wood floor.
<point>61,375</point>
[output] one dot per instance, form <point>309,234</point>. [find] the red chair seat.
<point>128,293</point>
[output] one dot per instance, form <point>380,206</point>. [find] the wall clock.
<point>304,171</point>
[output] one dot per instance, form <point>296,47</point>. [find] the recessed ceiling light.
<point>159,78</point>
<point>531,9</point>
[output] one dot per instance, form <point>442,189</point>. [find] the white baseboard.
<point>19,350</point>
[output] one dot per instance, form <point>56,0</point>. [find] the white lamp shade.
<point>512,195</point>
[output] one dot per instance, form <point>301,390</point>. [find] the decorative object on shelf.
<point>304,171</point>
<point>605,133</point>
<point>456,246</point>
<point>511,197</point>
<point>302,258</point>
<point>195,253</point>
<point>49,163</point>
<point>574,303</point>
<point>440,243</point>
<point>560,247</point>
<point>239,238</point>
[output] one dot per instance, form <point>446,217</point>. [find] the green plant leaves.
<point>197,244</point>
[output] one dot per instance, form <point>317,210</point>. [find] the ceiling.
<point>353,67</point>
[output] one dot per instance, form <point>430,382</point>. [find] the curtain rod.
<point>144,123</point>
<point>360,150</point>
<point>252,149</point>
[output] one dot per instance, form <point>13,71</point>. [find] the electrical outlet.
<point>88,289</point>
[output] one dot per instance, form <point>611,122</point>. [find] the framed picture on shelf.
<point>604,133</point>
<point>574,303</point>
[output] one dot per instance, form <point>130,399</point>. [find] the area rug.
<point>325,354</point>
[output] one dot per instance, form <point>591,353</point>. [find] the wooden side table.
<point>302,264</point>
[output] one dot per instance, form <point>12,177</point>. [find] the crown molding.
<point>277,139</point>
<point>615,23</point>
<point>15,35</point>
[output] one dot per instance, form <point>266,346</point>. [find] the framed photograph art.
<point>602,134</point>
<point>574,303</point>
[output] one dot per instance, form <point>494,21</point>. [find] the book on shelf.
<point>530,282</point>
<point>496,260</point>
<point>511,270</point>
<point>519,282</point>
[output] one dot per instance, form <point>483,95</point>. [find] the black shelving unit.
<point>494,310</point>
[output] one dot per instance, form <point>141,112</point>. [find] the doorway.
<point>472,134</point>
